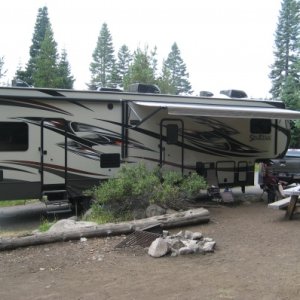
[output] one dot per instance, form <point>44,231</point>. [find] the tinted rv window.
<point>13,136</point>
<point>260,126</point>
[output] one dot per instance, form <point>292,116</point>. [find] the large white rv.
<point>55,142</point>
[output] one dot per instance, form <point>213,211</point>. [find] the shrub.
<point>135,187</point>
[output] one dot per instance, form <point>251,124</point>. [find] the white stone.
<point>209,246</point>
<point>188,234</point>
<point>197,236</point>
<point>158,248</point>
<point>185,250</point>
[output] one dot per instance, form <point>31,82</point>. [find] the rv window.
<point>260,126</point>
<point>172,133</point>
<point>13,136</point>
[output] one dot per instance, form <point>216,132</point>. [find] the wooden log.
<point>190,217</point>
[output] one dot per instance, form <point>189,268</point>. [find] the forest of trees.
<point>47,68</point>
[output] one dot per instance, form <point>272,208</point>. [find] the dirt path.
<point>257,257</point>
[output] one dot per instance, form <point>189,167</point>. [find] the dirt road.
<point>257,257</point>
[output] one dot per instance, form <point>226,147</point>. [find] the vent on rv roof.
<point>143,88</point>
<point>206,94</point>
<point>105,89</point>
<point>234,93</point>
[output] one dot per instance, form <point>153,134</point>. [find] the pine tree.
<point>164,82</point>
<point>141,70</point>
<point>286,64</point>
<point>41,25</point>
<point>123,63</point>
<point>46,73</point>
<point>2,71</point>
<point>177,68</point>
<point>66,80</point>
<point>103,60</point>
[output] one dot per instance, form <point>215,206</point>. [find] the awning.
<point>225,111</point>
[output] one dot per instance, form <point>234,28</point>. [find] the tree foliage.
<point>46,74</point>
<point>286,68</point>
<point>177,68</point>
<point>66,79</point>
<point>286,52</point>
<point>141,66</point>
<point>123,64</point>
<point>135,187</point>
<point>141,69</point>
<point>103,63</point>
<point>2,71</point>
<point>164,82</point>
<point>41,25</point>
<point>44,68</point>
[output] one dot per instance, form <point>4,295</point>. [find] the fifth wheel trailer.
<point>55,142</point>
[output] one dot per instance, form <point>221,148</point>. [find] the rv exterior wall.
<point>66,132</point>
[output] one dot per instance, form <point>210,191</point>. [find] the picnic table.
<point>294,193</point>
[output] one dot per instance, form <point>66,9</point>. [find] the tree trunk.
<point>178,219</point>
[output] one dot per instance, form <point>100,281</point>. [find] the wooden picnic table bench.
<point>289,203</point>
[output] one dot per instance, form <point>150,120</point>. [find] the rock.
<point>185,250</point>
<point>197,236</point>
<point>176,244</point>
<point>208,239</point>
<point>189,243</point>
<point>209,246</point>
<point>67,224</point>
<point>165,233</point>
<point>154,210</point>
<point>180,234</point>
<point>188,234</point>
<point>158,248</point>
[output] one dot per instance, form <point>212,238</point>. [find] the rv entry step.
<point>56,201</point>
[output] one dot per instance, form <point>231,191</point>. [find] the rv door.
<point>53,152</point>
<point>171,144</point>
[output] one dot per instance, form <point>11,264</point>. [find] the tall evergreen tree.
<point>46,73</point>
<point>41,25</point>
<point>164,82</point>
<point>286,51</point>
<point>2,71</point>
<point>65,78</point>
<point>123,63</point>
<point>141,70</point>
<point>103,60</point>
<point>177,68</point>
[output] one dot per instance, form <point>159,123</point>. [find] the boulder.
<point>154,210</point>
<point>158,248</point>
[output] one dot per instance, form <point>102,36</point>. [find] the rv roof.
<point>177,105</point>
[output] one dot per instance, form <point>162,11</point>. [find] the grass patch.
<point>45,225</point>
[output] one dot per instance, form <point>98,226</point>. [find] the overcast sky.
<point>225,44</point>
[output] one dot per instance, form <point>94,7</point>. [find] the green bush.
<point>135,187</point>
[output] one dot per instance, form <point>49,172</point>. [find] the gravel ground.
<point>257,257</point>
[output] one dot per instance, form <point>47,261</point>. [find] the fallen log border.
<point>178,219</point>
